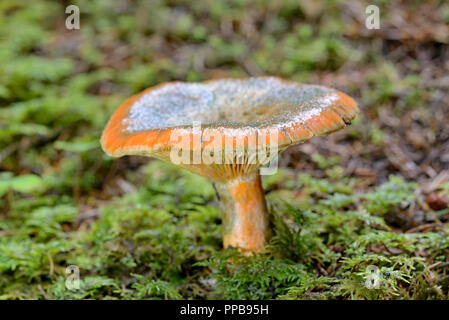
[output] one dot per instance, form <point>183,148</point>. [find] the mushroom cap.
<point>227,108</point>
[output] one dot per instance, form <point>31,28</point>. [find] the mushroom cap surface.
<point>227,108</point>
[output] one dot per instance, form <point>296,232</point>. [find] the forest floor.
<point>369,203</point>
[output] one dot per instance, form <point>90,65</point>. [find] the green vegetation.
<point>163,241</point>
<point>140,229</point>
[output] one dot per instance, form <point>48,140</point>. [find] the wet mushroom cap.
<point>231,108</point>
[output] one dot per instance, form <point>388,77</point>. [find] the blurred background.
<point>138,228</point>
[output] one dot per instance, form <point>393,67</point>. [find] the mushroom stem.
<point>245,218</point>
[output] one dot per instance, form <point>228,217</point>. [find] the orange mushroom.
<point>221,128</point>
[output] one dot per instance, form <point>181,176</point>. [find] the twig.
<point>41,290</point>
<point>436,264</point>
<point>424,226</point>
<point>6,152</point>
<point>52,265</point>
<point>435,218</point>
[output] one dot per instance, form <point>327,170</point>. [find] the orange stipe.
<point>245,220</point>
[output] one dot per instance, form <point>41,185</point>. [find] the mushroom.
<point>220,127</point>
